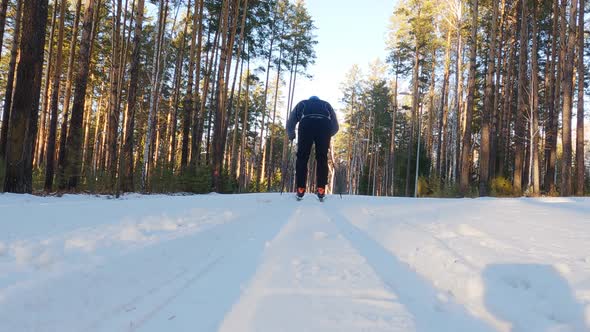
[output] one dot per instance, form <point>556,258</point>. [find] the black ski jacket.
<point>312,109</point>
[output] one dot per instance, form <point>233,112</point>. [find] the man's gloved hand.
<point>291,137</point>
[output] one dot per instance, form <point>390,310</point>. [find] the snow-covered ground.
<point>266,263</point>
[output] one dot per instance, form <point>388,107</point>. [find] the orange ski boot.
<point>300,193</point>
<point>321,193</point>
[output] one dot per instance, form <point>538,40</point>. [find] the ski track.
<point>325,281</point>
<point>143,291</point>
<point>493,261</point>
<point>266,263</point>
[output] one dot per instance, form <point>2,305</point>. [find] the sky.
<point>349,32</point>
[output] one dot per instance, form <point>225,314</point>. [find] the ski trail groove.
<point>244,243</point>
<point>174,295</point>
<point>311,279</point>
<point>142,296</point>
<point>415,292</point>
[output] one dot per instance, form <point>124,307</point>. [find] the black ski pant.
<point>313,131</point>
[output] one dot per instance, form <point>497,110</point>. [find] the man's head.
<point>314,98</point>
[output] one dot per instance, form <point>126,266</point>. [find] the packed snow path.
<point>266,263</point>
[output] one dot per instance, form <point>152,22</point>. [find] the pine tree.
<point>10,80</point>
<point>466,153</point>
<point>126,161</point>
<point>25,106</point>
<point>55,90</point>
<point>73,157</point>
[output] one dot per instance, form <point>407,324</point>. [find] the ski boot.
<point>321,193</point>
<point>300,193</point>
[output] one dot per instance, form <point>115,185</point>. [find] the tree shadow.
<point>418,295</point>
<point>532,298</point>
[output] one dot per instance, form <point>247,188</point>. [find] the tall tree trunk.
<point>3,10</point>
<point>197,110</point>
<point>42,127</point>
<point>392,150</point>
<point>49,170</point>
<point>173,115</point>
<point>466,154</point>
<point>123,61</point>
<point>87,121</point>
<point>25,109</point>
<point>230,109</point>
<point>242,180</point>
<point>147,151</point>
<point>100,105</point>
<point>220,110</point>
<point>270,160</point>
<point>568,74</point>
<point>234,146</point>
<point>73,158</point>
<point>10,80</point>
<point>96,149</point>
<point>536,168</point>
<point>442,124</point>
<point>580,168</point>
<point>126,160</point>
<point>415,128</point>
<point>114,106</point>
<point>212,98</point>
<point>496,112</point>
<point>240,60</point>
<point>259,169</point>
<point>520,130</point>
<point>557,54</point>
<point>286,144</point>
<point>188,102</point>
<point>431,110</point>
<point>456,161</point>
<point>507,94</point>
<point>67,98</point>
<point>488,109</point>
<point>199,124</point>
<point>232,29</point>
<point>458,102</point>
<point>553,103</point>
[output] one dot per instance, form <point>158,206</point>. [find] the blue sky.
<point>349,32</point>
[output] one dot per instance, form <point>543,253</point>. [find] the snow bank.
<point>267,263</point>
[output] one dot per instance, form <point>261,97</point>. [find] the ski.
<point>321,199</point>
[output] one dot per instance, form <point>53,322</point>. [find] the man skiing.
<point>317,124</point>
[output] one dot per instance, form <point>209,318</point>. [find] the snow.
<point>266,263</point>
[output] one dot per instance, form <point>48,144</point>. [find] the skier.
<point>317,124</point>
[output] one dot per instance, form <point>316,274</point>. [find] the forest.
<point>475,98</point>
